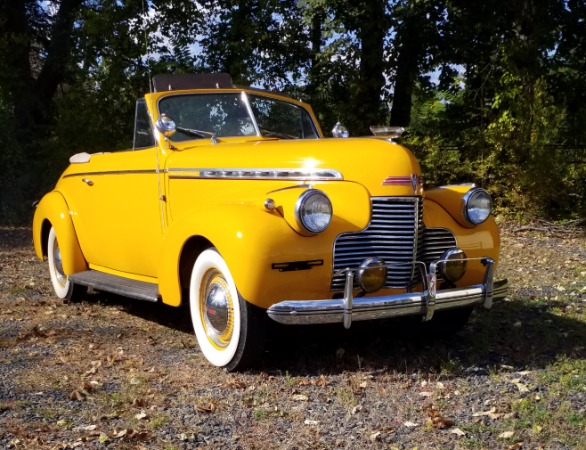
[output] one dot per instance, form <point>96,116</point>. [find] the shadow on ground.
<point>524,334</point>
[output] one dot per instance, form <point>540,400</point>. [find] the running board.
<point>115,284</point>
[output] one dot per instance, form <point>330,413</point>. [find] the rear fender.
<point>52,211</point>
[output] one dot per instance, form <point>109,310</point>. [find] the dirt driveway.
<point>113,373</point>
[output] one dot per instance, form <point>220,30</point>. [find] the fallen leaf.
<point>484,413</point>
<point>76,395</point>
<point>457,432</point>
<point>139,402</point>
<point>207,408</point>
<point>120,434</point>
<point>141,415</point>
<point>299,398</point>
<point>436,419</point>
<point>520,386</point>
<point>375,436</point>
<point>506,435</point>
<point>234,383</point>
<point>409,424</point>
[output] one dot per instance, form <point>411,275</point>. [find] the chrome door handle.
<point>87,181</point>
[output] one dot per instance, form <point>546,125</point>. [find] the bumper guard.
<point>425,303</point>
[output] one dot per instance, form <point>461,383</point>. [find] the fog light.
<point>372,274</point>
<point>453,265</point>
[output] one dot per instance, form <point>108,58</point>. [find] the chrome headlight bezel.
<point>313,211</point>
<point>477,206</point>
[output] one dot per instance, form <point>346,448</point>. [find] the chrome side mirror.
<point>340,131</point>
<point>166,125</point>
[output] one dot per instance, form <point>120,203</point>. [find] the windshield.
<point>230,114</point>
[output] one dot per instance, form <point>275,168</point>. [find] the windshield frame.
<point>245,98</point>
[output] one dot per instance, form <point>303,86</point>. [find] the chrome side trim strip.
<point>231,174</point>
<point>112,172</point>
<point>256,174</point>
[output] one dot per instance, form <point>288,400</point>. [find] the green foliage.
<point>507,110</point>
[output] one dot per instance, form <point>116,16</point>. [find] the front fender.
<point>477,242</point>
<point>53,211</point>
<point>255,243</point>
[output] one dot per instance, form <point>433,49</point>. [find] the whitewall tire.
<point>229,331</point>
<point>62,286</point>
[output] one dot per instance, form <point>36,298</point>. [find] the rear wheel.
<point>229,330</point>
<point>64,288</point>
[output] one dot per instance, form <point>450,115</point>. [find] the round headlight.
<point>453,265</point>
<point>477,205</point>
<point>313,211</point>
<point>372,274</point>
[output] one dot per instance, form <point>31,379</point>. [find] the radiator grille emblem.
<point>413,180</point>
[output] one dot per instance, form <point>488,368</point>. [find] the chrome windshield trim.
<point>256,174</point>
<point>246,101</point>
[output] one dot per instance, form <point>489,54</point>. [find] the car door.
<point>115,204</point>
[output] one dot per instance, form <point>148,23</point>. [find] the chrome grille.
<point>392,235</point>
<point>435,242</point>
<point>396,235</point>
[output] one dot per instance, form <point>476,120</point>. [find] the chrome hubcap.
<point>217,309</point>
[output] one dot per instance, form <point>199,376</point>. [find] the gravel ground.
<point>112,373</point>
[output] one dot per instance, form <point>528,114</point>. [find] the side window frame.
<point>143,129</point>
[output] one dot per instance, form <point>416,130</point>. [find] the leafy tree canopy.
<point>490,91</point>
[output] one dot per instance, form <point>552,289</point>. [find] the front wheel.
<point>229,330</point>
<point>64,288</point>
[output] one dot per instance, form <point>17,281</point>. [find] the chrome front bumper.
<point>425,303</point>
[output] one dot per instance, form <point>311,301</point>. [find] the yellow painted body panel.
<point>478,242</point>
<point>251,239</point>
<point>53,210</point>
<point>450,197</point>
<point>114,204</point>
<point>131,213</point>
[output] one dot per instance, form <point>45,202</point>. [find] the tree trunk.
<point>373,27</point>
<point>411,47</point>
<point>30,90</point>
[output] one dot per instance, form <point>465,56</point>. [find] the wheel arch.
<point>191,250</point>
<point>235,230</point>
<point>53,212</point>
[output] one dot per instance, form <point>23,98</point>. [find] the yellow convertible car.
<point>232,201</point>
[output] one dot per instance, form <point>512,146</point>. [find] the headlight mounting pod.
<point>313,211</point>
<point>477,206</point>
<point>452,266</point>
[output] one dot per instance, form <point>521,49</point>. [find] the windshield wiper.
<point>199,133</point>
<point>269,133</point>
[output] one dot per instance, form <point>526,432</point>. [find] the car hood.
<point>383,167</point>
